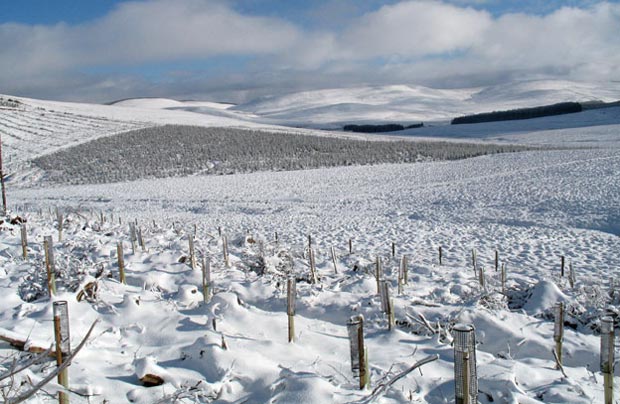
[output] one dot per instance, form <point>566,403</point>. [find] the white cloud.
<point>422,41</point>
<point>413,29</point>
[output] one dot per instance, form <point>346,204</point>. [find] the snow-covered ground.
<point>531,207</point>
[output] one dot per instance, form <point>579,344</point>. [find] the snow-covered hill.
<point>402,103</point>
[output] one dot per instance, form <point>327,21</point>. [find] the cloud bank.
<point>424,42</point>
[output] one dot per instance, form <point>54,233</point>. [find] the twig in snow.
<point>381,388</point>
<point>557,362</point>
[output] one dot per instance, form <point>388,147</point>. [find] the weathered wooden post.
<point>312,263</point>
<point>378,274</point>
<point>440,256</point>
<point>503,278</point>
<point>121,262</point>
<point>63,345</point>
<point>59,219</point>
<point>359,357</point>
<point>473,260</point>
<point>132,236</point>
<point>562,266</point>
<point>291,295</point>
<point>571,275</point>
<point>141,240</point>
<point>206,279</point>
<point>48,246</point>
<point>607,357</point>
<point>393,250</point>
<point>24,235</point>
<point>496,260</point>
<point>333,252</point>
<point>465,375</point>
<point>192,252</point>
<point>558,331</point>
<point>387,306</point>
<point>350,246</point>
<point>481,277</point>
<point>225,251</point>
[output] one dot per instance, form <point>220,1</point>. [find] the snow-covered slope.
<point>531,207</point>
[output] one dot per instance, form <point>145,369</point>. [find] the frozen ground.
<point>532,207</point>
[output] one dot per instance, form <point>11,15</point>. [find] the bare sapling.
<point>291,296</point>
<point>359,357</point>
<point>608,357</point>
<point>121,262</point>
<point>206,279</point>
<point>63,345</point>
<point>48,247</point>
<point>24,235</point>
<point>558,332</point>
<point>465,373</point>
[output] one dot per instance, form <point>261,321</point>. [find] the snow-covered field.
<point>532,207</point>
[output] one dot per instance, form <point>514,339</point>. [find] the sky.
<point>237,50</point>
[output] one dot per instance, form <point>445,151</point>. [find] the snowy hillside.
<point>408,104</point>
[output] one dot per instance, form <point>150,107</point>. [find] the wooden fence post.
<point>24,235</point>
<point>192,251</point>
<point>440,256</point>
<point>48,246</point>
<point>558,331</point>
<point>60,221</point>
<point>225,251</point>
<point>333,252</point>
<point>291,295</point>
<point>206,279</point>
<point>359,355</point>
<point>607,357</point>
<point>378,274</point>
<point>63,345</point>
<point>121,262</point>
<point>465,374</point>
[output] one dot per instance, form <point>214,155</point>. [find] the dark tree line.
<point>521,113</point>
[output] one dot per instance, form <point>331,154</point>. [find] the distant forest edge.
<point>177,150</point>
<point>380,128</point>
<point>533,112</point>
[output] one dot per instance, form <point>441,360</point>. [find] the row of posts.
<point>464,336</point>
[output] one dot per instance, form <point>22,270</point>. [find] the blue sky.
<point>234,50</point>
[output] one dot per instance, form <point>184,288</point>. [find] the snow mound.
<point>544,295</point>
